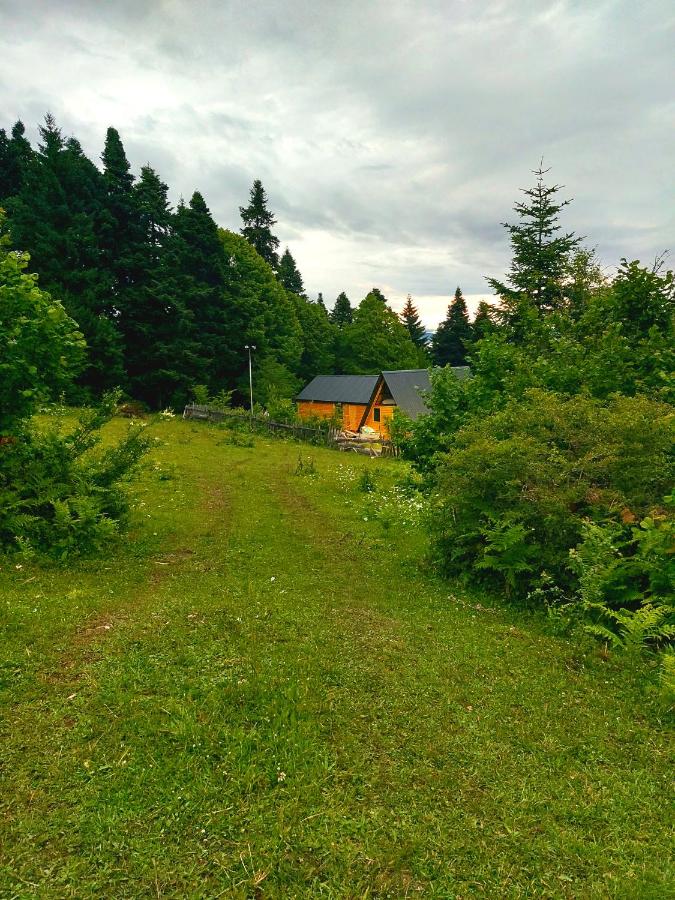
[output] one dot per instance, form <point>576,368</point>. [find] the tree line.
<point>166,300</point>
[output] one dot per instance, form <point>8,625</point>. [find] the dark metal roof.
<point>339,389</point>
<point>406,386</point>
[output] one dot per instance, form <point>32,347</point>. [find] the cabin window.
<point>376,415</point>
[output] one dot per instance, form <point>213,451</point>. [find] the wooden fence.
<point>301,432</point>
<point>329,437</point>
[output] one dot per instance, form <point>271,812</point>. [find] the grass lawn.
<point>263,693</point>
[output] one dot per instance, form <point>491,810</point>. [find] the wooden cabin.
<point>368,400</point>
<point>342,397</point>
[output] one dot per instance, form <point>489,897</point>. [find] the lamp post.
<point>250,347</point>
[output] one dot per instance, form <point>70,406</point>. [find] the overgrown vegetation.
<point>550,467</point>
<point>57,496</point>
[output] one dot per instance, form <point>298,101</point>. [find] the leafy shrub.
<point>200,394</point>
<point>514,491</point>
<point>305,467</point>
<point>367,482</point>
<point>40,345</point>
<point>627,580</point>
<point>58,495</point>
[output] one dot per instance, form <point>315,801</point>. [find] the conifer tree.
<point>411,320</point>
<point>540,255</point>
<point>160,345</point>
<point>342,313</point>
<point>288,274</point>
<point>16,154</point>
<point>483,323</point>
<point>259,311</point>
<point>258,222</point>
<point>320,301</point>
<point>199,272</point>
<point>58,215</point>
<point>449,343</point>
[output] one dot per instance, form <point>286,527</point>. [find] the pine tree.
<point>58,215</point>
<point>258,222</point>
<point>540,256</point>
<point>342,313</point>
<point>411,320</point>
<point>321,302</point>
<point>160,345</point>
<point>449,343</point>
<point>16,155</point>
<point>483,323</point>
<point>288,274</point>
<point>259,311</point>
<point>198,268</point>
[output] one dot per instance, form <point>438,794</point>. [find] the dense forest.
<point>167,300</point>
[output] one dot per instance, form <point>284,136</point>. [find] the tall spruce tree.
<point>449,343</point>
<point>16,154</point>
<point>288,274</point>
<point>411,319</point>
<point>341,313</point>
<point>541,256</point>
<point>161,348</point>
<point>258,222</point>
<point>321,302</point>
<point>199,272</point>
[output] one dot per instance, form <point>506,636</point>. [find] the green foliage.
<point>306,467</point>
<point>541,257</point>
<point>367,483</point>
<point>452,339</point>
<point>258,222</point>
<point>262,313</point>
<point>200,394</point>
<point>342,313</point>
<point>40,345</point>
<point>667,678</point>
<point>627,579</point>
<point>522,481</point>
<point>430,434</point>
<point>288,274</point>
<point>483,323</point>
<point>376,340</point>
<point>318,339</point>
<point>411,319</point>
<point>61,497</point>
<point>281,409</point>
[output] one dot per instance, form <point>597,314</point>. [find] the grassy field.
<point>263,693</point>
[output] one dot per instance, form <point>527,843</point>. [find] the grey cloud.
<point>392,137</point>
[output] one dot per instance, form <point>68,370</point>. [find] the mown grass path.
<point>261,694</point>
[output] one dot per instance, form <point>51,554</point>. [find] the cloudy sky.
<point>392,137</point>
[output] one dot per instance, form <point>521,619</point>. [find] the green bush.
<point>626,578</point>
<point>59,496</point>
<point>513,493</point>
<point>40,345</point>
